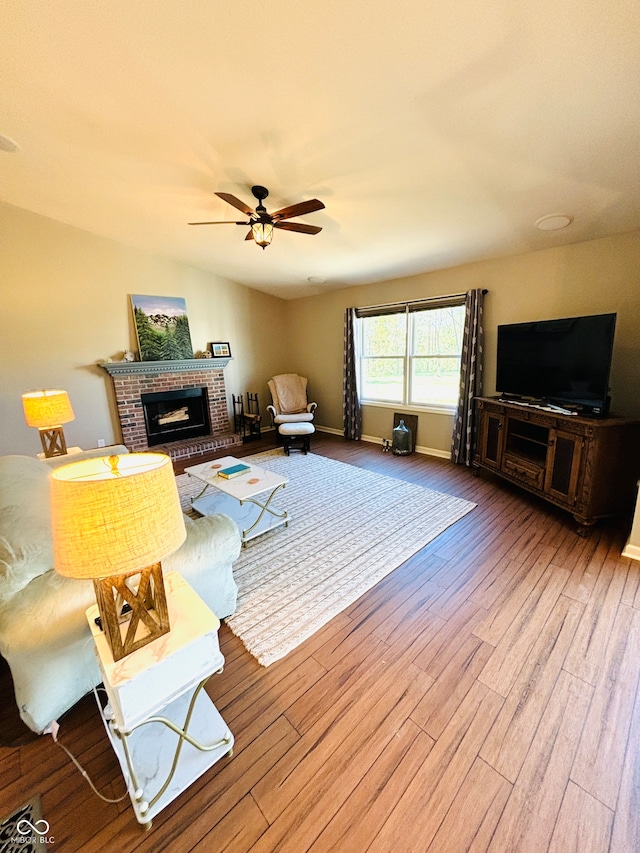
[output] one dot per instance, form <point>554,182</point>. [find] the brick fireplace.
<point>132,380</point>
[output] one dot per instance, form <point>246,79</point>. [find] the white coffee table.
<point>239,497</point>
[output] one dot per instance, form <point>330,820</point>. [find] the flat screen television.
<point>564,362</point>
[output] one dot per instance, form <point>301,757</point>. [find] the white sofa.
<point>44,635</point>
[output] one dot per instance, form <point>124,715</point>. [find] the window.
<point>410,354</point>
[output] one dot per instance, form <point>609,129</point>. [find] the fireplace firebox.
<point>175,415</point>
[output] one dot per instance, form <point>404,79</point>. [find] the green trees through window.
<point>412,357</point>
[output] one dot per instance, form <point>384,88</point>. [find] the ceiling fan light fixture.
<point>262,223</point>
<point>262,233</point>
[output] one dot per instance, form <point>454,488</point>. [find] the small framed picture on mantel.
<point>222,349</point>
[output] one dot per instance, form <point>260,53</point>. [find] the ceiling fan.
<point>262,223</point>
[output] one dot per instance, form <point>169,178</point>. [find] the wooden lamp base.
<point>148,617</point>
<point>53,442</point>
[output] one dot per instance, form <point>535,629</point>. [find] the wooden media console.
<point>588,466</point>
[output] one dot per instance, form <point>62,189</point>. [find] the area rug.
<point>24,829</point>
<point>349,528</point>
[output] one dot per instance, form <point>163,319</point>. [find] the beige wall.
<point>587,278</point>
<point>65,305</point>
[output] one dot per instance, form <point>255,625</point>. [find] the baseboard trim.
<point>373,439</point>
<point>632,551</point>
<point>330,430</point>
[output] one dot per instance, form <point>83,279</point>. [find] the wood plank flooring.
<point>482,697</point>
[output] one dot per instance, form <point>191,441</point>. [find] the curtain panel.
<point>352,412</point>
<point>464,427</point>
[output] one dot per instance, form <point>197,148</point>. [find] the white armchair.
<point>289,396</point>
<point>291,413</point>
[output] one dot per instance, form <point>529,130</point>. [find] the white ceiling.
<point>435,133</point>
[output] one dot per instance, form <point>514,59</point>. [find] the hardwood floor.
<point>482,697</point>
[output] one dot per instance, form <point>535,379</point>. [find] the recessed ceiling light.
<point>554,221</point>
<point>7,144</point>
<point>316,279</point>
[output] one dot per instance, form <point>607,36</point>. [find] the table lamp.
<point>48,410</point>
<point>114,519</point>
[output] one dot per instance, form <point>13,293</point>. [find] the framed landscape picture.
<point>162,327</point>
<point>221,349</point>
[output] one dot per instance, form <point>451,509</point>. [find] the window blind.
<point>411,307</point>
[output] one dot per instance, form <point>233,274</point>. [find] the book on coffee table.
<point>233,471</point>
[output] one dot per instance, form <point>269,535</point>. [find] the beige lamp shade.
<point>114,515</point>
<point>45,409</point>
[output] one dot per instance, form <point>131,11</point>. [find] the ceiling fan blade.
<point>298,209</point>
<point>249,235</point>
<point>220,222</point>
<point>298,226</point>
<point>236,202</point>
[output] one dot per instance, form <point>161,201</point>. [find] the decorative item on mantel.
<point>162,327</point>
<point>127,357</point>
<point>220,349</point>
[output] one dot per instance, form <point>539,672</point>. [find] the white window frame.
<point>408,309</point>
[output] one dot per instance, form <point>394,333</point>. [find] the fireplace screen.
<point>176,415</point>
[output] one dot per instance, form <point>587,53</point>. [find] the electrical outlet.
<point>101,442</point>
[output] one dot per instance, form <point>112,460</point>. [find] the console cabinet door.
<point>563,466</point>
<point>491,438</point>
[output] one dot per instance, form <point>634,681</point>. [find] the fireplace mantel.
<point>132,379</point>
<point>129,368</point>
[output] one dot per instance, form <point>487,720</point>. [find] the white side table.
<point>163,727</point>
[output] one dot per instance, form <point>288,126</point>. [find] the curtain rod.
<point>415,301</point>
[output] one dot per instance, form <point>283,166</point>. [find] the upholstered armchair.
<point>291,413</point>
<point>289,396</point>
